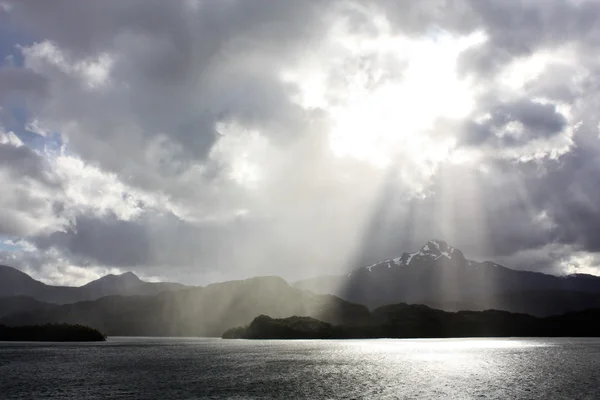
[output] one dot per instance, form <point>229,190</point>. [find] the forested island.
<point>50,333</point>
<point>417,321</point>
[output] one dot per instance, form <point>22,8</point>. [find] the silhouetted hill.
<point>440,276</point>
<point>16,283</point>
<point>265,327</point>
<point>50,333</point>
<point>417,321</point>
<point>206,311</point>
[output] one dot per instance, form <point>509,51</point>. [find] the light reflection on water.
<point>455,344</point>
<point>447,353</point>
<point>136,368</point>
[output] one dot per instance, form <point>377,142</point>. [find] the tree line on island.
<point>51,333</point>
<point>392,321</point>
<point>418,321</point>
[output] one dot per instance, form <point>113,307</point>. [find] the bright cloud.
<point>210,140</point>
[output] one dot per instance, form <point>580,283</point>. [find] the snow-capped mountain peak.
<point>432,251</point>
<point>437,248</point>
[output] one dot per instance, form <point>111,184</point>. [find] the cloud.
<point>29,187</point>
<point>516,123</point>
<point>16,82</point>
<point>201,141</point>
<point>523,28</point>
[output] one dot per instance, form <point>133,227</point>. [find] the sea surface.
<point>180,368</point>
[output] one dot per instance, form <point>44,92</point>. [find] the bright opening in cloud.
<point>390,121</point>
<point>300,134</point>
<point>386,107</point>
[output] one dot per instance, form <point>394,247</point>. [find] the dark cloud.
<point>522,27</point>
<point>193,149</point>
<point>103,241</point>
<point>175,72</point>
<point>574,201</point>
<point>534,121</point>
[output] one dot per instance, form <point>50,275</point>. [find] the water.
<point>138,368</point>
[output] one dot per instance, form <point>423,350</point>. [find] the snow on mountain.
<point>433,250</point>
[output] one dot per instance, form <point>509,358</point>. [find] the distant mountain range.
<point>437,275</point>
<point>197,311</point>
<point>440,276</point>
<point>16,283</point>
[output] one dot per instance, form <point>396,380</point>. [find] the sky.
<point>201,141</point>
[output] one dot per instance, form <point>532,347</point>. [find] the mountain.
<point>14,283</point>
<point>198,311</point>
<point>417,321</point>
<point>440,276</point>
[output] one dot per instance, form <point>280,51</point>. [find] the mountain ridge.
<point>438,275</point>
<point>195,311</point>
<point>442,249</point>
<point>16,283</point>
<point>441,276</point>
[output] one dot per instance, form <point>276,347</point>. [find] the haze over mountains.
<point>437,275</point>
<point>16,283</point>
<point>196,311</point>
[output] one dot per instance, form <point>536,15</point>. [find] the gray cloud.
<point>174,71</point>
<point>30,188</point>
<point>22,162</point>
<point>535,121</point>
<point>199,156</point>
<point>21,82</point>
<point>522,27</point>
